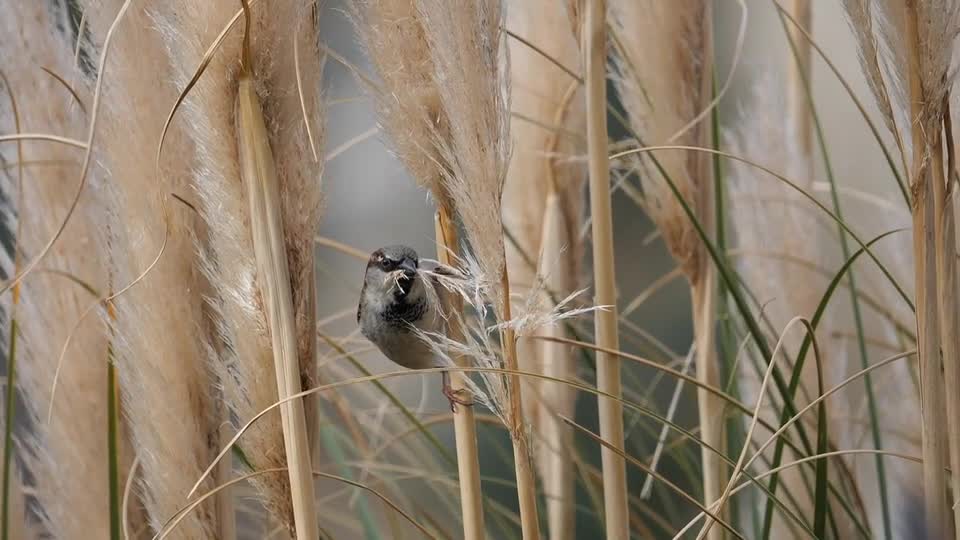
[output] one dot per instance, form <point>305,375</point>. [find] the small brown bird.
<point>394,304</point>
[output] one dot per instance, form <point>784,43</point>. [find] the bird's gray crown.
<point>391,258</point>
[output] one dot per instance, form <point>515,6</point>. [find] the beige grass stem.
<point>945,237</point>
<point>799,73</point>
<point>703,293</point>
<point>928,324</point>
<point>608,366</point>
<point>260,179</point>
<point>464,423</point>
<point>554,453</point>
<point>526,483</point>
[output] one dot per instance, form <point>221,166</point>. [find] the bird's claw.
<point>455,396</point>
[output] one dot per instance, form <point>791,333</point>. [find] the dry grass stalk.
<point>664,75</point>
<point>594,51</point>
<point>554,452</point>
<point>464,423</point>
<point>465,46</point>
<point>927,36</point>
<point>945,238</point>
<point>542,209</point>
<point>65,455</point>
<point>283,39</point>
<point>410,111</point>
<point>799,74</point>
<point>906,49</point>
<point>260,180</point>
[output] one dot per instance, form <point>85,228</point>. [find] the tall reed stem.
<point>608,365</point>
<point>925,274</point>
<point>526,483</point>
<point>709,406</point>
<point>259,175</point>
<point>556,448</point>
<point>464,424</point>
<point>703,293</point>
<point>945,236</point>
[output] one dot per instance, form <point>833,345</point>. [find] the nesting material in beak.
<point>409,267</point>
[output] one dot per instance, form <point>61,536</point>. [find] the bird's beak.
<point>409,268</point>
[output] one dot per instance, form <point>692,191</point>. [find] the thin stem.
<point>799,74</point>
<point>526,483</point>
<point>464,423</point>
<point>11,403</point>
<point>113,454</point>
<point>594,49</point>
<point>946,238</point>
<point>11,387</point>
<point>703,294</point>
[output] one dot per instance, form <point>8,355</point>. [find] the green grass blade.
<point>11,403</point>
<point>857,313</point>
<point>113,452</point>
<point>820,503</point>
<point>711,248</point>
<point>725,336</point>
<point>727,277</point>
<point>801,356</point>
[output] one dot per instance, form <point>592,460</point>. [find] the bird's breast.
<point>393,326</point>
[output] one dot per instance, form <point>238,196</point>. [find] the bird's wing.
<point>360,303</point>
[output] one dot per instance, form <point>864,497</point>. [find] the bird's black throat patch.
<point>401,313</point>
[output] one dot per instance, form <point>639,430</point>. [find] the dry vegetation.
<point>174,365</point>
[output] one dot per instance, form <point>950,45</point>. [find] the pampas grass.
<point>260,181</point>
<point>241,350</point>
<point>65,453</point>
<point>181,281</point>
<point>181,413</point>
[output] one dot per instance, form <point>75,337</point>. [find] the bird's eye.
<point>388,263</point>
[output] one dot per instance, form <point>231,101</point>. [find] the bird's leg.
<point>455,396</point>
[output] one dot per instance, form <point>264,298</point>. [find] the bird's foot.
<point>456,396</point>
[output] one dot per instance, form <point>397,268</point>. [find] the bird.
<point>395,304</point>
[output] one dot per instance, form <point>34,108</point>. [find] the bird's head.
<point>392,273</point>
